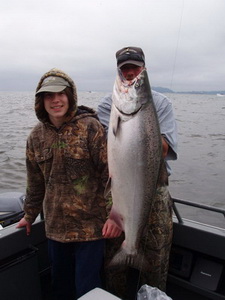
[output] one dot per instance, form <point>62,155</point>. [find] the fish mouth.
<point>130,81</point>
<point>132,93</point>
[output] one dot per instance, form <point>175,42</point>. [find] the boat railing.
<point>194,204</point>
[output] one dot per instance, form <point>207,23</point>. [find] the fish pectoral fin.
<point>116,125</point>
<point>107,188</point>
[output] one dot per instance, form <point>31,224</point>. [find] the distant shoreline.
<point>166,90</point>
<point>157,89</point>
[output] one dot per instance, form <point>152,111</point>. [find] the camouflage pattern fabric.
<point>67,171</point>
<point>123,281</point>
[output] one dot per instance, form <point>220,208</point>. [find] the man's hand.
<point>24,223</point>
<point>111,229</point>
<point>165,147</point>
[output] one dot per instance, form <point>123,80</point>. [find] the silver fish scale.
<point>134,157</point>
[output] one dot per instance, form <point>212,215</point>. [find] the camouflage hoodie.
<point>67,172</point>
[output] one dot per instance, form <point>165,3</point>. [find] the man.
<point>157,241</point>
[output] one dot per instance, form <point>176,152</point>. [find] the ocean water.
<point>198,175</point>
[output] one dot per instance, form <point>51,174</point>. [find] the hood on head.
<point>54,80</point>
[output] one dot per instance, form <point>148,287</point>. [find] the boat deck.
<point>197,263</point>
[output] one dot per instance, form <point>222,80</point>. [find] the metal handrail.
<point>9,216</point>
<point>194,204</point>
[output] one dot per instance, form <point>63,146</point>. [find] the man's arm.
<point>167,123</point>
<point>165,147</point>
<point>104,110</point>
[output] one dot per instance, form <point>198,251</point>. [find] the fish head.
<point>130,96</point>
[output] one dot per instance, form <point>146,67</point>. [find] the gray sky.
<point>183,41</point>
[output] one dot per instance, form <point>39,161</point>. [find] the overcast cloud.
<point>183,41</point>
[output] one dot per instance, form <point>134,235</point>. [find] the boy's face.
<point>56,105</point>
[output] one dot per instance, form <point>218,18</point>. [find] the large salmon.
<point>134,159</point>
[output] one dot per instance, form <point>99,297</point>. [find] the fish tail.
<point>137,261</point>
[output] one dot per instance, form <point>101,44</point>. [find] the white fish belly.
<point>134,155</point>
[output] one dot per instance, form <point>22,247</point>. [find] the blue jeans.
<point>76,267</point>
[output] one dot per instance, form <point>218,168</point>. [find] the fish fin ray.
<point>107,188</point>
<point>137,261</point>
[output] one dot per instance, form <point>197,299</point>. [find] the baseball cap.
<point>130,55</point>
<point>53,84</point>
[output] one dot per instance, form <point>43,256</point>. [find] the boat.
<point>197,262</point>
